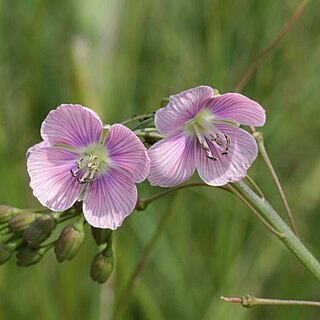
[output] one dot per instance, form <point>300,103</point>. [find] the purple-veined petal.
<point>231,167</point>
<point>236,107</point>
<point>127,152</point>
<point>109,199</point>
<point>181,108</point>
<point>36,147</point>
<point>50,177</point>
<point>172,160</point>
<point>72,125</point>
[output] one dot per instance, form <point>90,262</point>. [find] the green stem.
<point>69,215</point>
<point>255,187</point>
<point>263,153</point>
<point>146,130</point>
<point>255,212</point>
<point>138,118</point>
<point>142,203</point>
<point>249,301</point>
<point>292,242</point>
<point>153,135</point>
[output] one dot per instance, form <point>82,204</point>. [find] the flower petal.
<point>127,151</point>
<point>236,107</point>
<point>181,108</point>
<point>36,147</point>
<point>51,180</point>
<point>109,199</point>
<point>172,160</point>
<point>231,167</point>
<point>72,125</point>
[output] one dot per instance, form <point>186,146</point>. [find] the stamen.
<point>91,164</point>
<point>212,158</point>
<point>216,139</point>
<point>204,146</point>
<point>204,143</point>
<point>228,139</point>
<point>73,173</point>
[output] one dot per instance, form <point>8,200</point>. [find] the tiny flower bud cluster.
<point>28,234</point>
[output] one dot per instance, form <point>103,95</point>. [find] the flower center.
<point>202,126</point>
<point>92,162</point>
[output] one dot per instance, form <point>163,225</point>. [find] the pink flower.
<point>75,160</point>
<point>202,131</point>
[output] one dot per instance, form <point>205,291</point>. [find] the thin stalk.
<point>69,215</point>
<point>255,187</point>
<point>256,213</point>
<point>35,210</point>
<point>142,203</point>
<point>138,118</point>
<point>124,296</point>
<point>290,240</point>
<point>143,124</point>
<point>246,77</point>
<point>153,135</point>
<point>262,150</point>
<point>249,301</point>
<point>146,130</point>
<point>271,45</point>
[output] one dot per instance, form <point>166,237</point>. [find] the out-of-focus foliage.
<point>121,57</point>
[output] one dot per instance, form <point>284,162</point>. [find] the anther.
<point>212,158</point>
<point>204,147</point>
<point>73,173</point>
<point>226,151</point>
<point>217,140</point>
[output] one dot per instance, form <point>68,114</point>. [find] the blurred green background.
<point>121,57</point>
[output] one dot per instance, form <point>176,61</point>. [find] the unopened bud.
<point>101,236</point>
<point>102,266</point>
<point>29,256</point>
<point>6,237</point>
<point>39,230</point>
<point>22,221</point>
<point>5,213</point>
<point>69,242</point>
<point>5,253</point>
<point>5,231</point>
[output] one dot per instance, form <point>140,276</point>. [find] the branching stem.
<point>256,213</point>
<point>290,240</point>
<point>264,155</point>
<point>138,118</point>
<point>249,301</point>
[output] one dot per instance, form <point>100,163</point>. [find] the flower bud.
<point>39,230</point>
<point>69,242</point>
<point>6,237</point>
<point>29,256</point>
<point>5,231</point>
<point>102,266</point>
<point>101,236</point>
<point>22,221</point>
<point>5,213</point>
<point>5,253</point>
